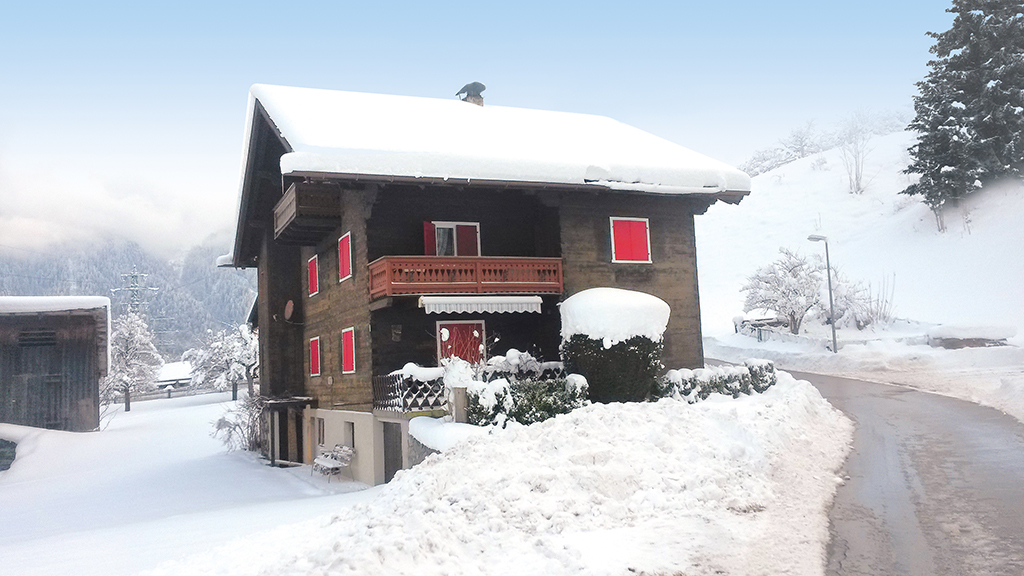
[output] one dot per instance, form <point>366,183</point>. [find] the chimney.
<point>472,93</point>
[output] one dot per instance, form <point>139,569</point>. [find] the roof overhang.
<point>480,304</point>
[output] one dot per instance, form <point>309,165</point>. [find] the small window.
<point>631,240</point>
<point>451,238</point>
<point>313,268</point>
<point>320,436</point>
<point>348,351</point>
<point>345,257</point>
<point>314,356</point>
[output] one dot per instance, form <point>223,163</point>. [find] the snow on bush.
<point>525,401</point>
<point>693,385</point>
<point>613,315</point>
<point>734,487</point>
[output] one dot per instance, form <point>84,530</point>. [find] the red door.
<point>462,339</point>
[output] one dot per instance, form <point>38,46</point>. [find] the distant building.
<point>177,374</point>
<point>53,354</point>
<point>389,229</point>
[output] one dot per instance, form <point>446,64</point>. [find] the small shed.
<point>53,354</point>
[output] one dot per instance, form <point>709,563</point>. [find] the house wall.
<point>281,346</point>
<point>54,386</point>
<point>672,275</point>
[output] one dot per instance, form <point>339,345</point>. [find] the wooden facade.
<point>51,364</point>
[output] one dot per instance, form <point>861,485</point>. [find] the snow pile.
<point>375,134</point>
<point>725,486</point>
<point>419,373</point>
<point>440,434</point>
<point>971,332</point>
<point>29,304</point>
<point>487,394</point>
<point>614,315</point>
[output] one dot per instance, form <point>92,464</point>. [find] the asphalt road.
<point>935,485</point>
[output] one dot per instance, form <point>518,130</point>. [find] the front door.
<point>462,338</point>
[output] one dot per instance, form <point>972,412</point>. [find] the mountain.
<point>192,294</point>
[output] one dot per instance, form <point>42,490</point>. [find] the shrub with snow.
<point>693,385</point>
<point>613,338</point>
<point>524,401</point>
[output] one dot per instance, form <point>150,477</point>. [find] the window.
<point>451,238</point>
<point>320,436</point>
<point>345,257</point>
<point>314,356</point>
<point>313,269</point>
<point>348,351</point>
<point>631,240</point>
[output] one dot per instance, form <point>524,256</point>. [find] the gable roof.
<point>330,132</point>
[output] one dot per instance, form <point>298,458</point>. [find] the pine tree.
<point>970,110</point>
<point>134,360</point>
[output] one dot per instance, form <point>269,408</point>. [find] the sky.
<point>125,119</point>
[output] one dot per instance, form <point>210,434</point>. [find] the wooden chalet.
<point>390,229</point>
<point>53,354</point>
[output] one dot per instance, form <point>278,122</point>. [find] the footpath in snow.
<point>738,486</point>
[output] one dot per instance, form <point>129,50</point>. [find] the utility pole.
<point>135,288</point>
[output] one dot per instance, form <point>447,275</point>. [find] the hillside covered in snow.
<point>969,275</point>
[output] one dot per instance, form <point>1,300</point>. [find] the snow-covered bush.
<point>524,401</point>
<point>791,286</point>
<point>694,385</point>
<point>613,338</point>
<point>239,427</point>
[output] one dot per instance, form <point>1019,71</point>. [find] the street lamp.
<point>831,306</point>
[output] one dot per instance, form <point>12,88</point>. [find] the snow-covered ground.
<point>151,487</point>
<point>971,275</point>
<point>735,485</point>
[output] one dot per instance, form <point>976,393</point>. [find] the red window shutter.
<point>465,240</point>
<point>314,356</point>
<point>348,351</point>
<point>641,251</point>
<point>623,239</point>
<point>429,239</point>
<point>345,257</point>
<point>313,268</point>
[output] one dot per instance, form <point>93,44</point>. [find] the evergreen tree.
<point>970,110</point>
<point>134,360</point>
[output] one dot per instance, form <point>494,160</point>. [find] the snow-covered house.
<point>53,354</point>
<point>391,229</point>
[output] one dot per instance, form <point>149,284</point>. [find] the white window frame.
<point>611,238</point>
<point>483,334</point>
<point>319,357</point>
<point>351,329</point>
<point>455,239</point>
<point>316,258</point>
<point>350,268</point>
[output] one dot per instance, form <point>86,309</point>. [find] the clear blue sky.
<point>128,116</point>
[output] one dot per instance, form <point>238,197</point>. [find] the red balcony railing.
<point>402,275</point>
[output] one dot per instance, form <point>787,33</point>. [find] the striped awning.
<point>493,304</point>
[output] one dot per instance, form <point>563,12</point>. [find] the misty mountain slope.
<point>971,274</point>
<point>193,295</point>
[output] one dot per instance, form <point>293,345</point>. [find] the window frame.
<point>349,330</point>
<point>611,231</point>
<point>455,236</point>
<point>313,264</point>
<point>350,269</point>
<point>319,357</point>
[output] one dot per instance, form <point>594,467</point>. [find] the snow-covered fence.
<point>764,334</point>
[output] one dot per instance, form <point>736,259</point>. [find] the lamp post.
<point>831,306</point>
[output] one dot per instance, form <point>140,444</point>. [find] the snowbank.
<point>737,486</point>
<point>614,315</point>
<point>971,332</point>
<point>28,304</point>
<point>440,435</point>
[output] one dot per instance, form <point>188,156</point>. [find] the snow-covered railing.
<point>401,275</point>
<point>398,393</point>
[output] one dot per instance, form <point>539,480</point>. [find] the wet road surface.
<point>935,485</point>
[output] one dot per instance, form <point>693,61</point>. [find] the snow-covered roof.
<point>172,371</point>
<point>32,304</point>
<point>376,135</point>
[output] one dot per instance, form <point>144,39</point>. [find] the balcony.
<point>306,214</point>
<point>407,275</point>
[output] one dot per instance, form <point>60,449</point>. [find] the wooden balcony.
<point>404,275</point>
<point>307,213</point>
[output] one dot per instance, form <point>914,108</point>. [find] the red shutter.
<point>465,240</point>
<point>641,251</point>
<point>429,239</point>
<point>623,239</point>
<point>314,356</point>
<point>348,351</point>
<point>313,268</point>
<point>345,257</point>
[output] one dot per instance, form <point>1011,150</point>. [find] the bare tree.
<point>790,286</point>
<point>854,138</point>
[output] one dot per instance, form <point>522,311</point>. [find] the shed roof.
<point>358,134</point>
<point>37,304</point>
